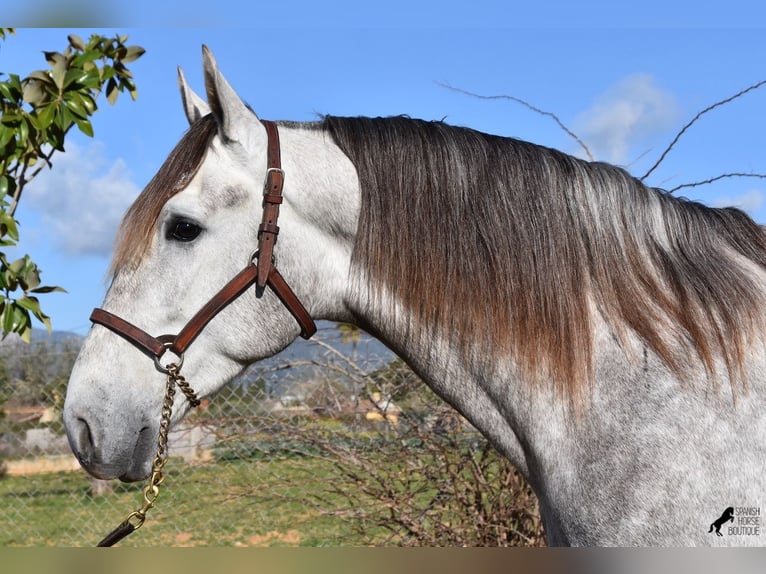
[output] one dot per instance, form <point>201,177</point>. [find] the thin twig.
<point>22,180</point>
<point>694,119</point>
<point>526,104</point>
<point>641,156</point>
<point>716,178</point>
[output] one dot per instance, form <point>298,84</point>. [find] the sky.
<point>623,83</point>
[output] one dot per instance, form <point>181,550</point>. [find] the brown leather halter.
<point>261,271</point>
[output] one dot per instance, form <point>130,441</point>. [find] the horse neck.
<point>321,182</point>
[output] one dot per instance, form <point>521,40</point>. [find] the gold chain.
<point>151,492</point>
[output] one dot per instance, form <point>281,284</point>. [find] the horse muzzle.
<point>129,460</point>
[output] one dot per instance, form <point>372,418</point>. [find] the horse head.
<point>194,227</point>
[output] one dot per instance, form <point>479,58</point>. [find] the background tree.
<point>36,114</point>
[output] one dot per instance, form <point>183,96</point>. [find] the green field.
<point>248,503</point>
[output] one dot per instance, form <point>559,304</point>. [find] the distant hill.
<point>41,336</point>
<point>304,356</point>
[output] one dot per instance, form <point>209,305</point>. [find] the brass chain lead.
<point>151,492</point>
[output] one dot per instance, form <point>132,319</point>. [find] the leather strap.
<point>290,300</point>
<point>117,534</point>
<point>155,347</point>
<point>140,338</point>
<point>272,198</point>
<point>230,291</point>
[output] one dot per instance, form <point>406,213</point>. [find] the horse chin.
<point>111,472</point>
<point>136,474</point>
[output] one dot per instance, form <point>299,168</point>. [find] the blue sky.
<point>624,91</point>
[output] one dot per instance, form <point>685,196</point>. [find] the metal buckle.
<point>252,260</point>
<point>267,179</point>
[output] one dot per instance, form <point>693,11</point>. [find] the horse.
<point>605,336</point>
<point>727,516</point>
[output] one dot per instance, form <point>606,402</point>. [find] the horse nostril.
<point>82,443</point>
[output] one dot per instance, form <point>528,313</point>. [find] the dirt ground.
<point>41,465</point>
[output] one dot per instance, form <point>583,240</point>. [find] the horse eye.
<point>183,230</point>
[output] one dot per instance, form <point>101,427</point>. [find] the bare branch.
<point>22,180</point>
<point>526,104</point>
<point>694,119</point>
<point>716,178</point>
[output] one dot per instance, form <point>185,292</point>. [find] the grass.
<point>244,503</point>
<point>293,486</point>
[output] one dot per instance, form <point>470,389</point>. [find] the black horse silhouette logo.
<point>727,516</point>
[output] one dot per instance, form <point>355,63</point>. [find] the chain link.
<point>151,492</point>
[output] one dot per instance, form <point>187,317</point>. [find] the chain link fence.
<point>334,442</point>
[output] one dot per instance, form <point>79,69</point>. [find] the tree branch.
<point>526,104</point>
<point>692,122</point>
<point>22,180</point>
<point>716,178</point>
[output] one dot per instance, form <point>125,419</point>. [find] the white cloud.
<point>625,115</point>
<point>750,201</point>
<point>81,200</point>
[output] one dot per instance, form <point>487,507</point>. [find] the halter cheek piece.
<point>261,271</point>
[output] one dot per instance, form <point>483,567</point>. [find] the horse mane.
<point>140,221</point>
<point>508,247</point>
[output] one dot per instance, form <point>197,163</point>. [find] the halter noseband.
<point>261,271</point>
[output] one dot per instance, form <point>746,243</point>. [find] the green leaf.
<point>112,91</point>
<point>62,119</point>
<point>48,289</point>
<point>106,73</point>
<point>11,187</point>
<point>17,265</point>
<point>75,106</point>
<point>59,72</point>
<point>34,92</point>
<point>7,91</point>
<point>15,82</point>
<point>21,321</point>
<point>29,303</point>
<point>86,59</point>
<point>133,53</point>
<point>6,135</point>
<point>45,320</point>
<point>84,126</point>
<point>23,133</point>
<point>56,133</point>
<point>10,119</point>
<point>75,76</point>
<point>45,115</point>
<point>41,76</point>
<point>76,42</point>
<point>88,103</point>
<point>7,318</point>
<point>26,332</point>
<point>31,278</point>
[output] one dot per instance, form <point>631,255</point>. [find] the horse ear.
<point>194,106</point>
<point>231,113</point>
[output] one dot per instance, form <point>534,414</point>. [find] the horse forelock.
<point>507,249</point>
<point>140,221</point>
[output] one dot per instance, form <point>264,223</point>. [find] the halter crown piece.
<point>260,271</point>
